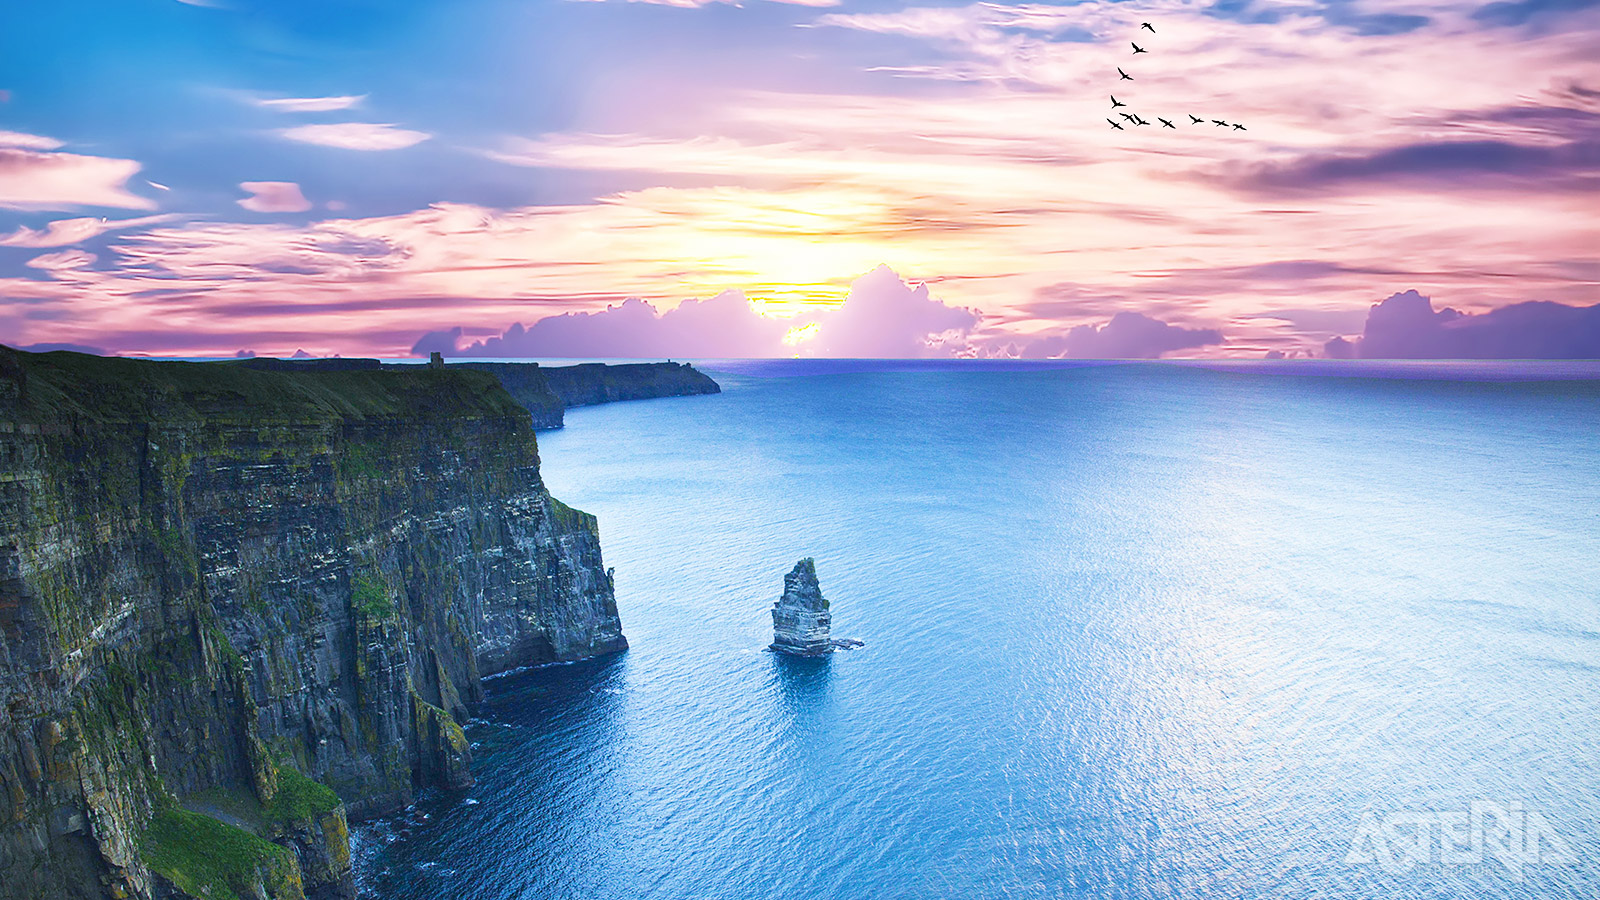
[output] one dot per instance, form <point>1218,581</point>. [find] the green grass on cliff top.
<point>299,798</point>
<point>64,384</point>
<point>206,858</point>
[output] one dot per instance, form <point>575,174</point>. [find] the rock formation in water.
<point>238,605</point>
<point>801,622</point>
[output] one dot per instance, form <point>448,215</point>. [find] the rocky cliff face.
<point>592,383</point>
<point>528,386</point>
<point>546,391</point>
<point>236,605</point>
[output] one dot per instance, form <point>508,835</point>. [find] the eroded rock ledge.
<point>237,605</point>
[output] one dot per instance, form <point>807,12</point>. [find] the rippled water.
<point>1131,631</point>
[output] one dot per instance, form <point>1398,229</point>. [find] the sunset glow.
<point>256,184</point>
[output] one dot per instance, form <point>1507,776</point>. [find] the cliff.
<point>526,383</point>
<point>547,390</point>
<point>544,391</point>
<point>592,383</point>
<point>238,605</point>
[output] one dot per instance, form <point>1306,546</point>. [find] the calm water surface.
<point>1131,631</point>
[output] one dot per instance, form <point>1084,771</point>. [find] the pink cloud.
<point>1127,335</point>
<point>881,316</point>
<point>62,232</point>
<point>273,197</point>
<point>366,136</point>
<point>62,260</point>
<point>722,326</point>
<point>34,180</point>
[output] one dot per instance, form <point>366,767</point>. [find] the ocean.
<point>1131,631</point>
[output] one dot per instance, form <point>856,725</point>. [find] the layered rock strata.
<point>801,621</point>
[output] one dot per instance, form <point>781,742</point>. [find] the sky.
<point>814,177</point>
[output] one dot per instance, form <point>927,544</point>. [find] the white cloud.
<point>27,141</point>
<point>310,104</point>
<point>274,196</point>
<point>356,136</point>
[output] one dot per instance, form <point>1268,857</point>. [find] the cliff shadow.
<point>535,698</point>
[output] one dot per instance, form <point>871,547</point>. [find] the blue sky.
<point>350,176</point>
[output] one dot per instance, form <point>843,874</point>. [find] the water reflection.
<point>803,685</point>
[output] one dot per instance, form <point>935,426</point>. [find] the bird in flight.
<point>1125,75</point>
<point>1196,120</point>
<point>1139,121</point>
<point>1147,25</point>
<point>1114,103</point>
<point>1138,49</point>
<point>1128,117</point>
<point>1220,123</point>
<point>1165,122</point>
<point>1238,127</point>
<point>1114,124</point>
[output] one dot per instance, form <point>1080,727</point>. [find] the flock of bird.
<point>1134,119</point>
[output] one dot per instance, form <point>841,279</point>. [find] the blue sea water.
<point>1132,631</point>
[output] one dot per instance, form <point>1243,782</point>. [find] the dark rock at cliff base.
<point>801,622</point>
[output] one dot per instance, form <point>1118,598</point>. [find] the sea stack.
<point>800,619</point>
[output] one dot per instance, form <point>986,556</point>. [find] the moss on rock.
<point>212,860</point>
<point>299,799</point>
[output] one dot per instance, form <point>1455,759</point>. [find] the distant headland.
<point>544,391</point>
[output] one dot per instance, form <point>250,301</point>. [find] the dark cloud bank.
<point>1129,335</point>
<point>1406,326</point>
